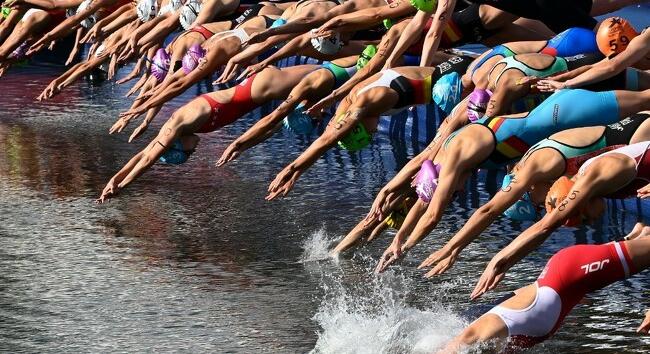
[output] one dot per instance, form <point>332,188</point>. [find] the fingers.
<point>138,131</point>
<point>645,326</point>
<point>385,262</point>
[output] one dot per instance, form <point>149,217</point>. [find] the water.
<point>192,259</point>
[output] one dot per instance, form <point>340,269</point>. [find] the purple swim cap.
<point>160,64</point>
<point>426,181</point>
<point>19,52</point>
<point>192,57</point>
<point>477,104</point>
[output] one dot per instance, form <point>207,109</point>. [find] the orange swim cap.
<point>556,195</point>
<point>614,34</point>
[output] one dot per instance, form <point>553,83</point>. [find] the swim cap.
<point>477,104</point>
<point>396,218</point>
<point>146,10</point>
<point>5,12</point>
<point>171,6</point>
<point>192,57</point>
<point>447,91</point>
<point>278,22</point>
<point>355,140</point>
<point>521,210</point>
<point>160,64</point>
<point>175,155</point>
<point>298,122</point>
<point>614,35</point>
<point>90,20</point>
<point>426,180</point>
<point>366,55</point>
<point>20,51</point>
<point>327,45</point>
<point>189,13</point>
<point>425,5</point>
<point>556,195</point>
<point>388,23</point>
<point>572,41</point>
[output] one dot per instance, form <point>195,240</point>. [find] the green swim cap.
<point>388,23</point>
<point>6,11</point>
<point>425,5</point>
<point>366,55</point>
<point>357,139</point>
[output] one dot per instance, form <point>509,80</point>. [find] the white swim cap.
<point>189,13</point>
<point>90,20</point>
<point>171,6</point>
<point>328,45</point>
<point>146,9</point>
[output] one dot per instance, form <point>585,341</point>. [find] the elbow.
<point>487,211</point>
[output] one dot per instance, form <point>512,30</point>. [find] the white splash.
<point>374,318</point>
<point>316,247</point>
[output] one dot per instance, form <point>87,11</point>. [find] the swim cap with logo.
<point>355,140</point>
<point>175,155</point>
<point>146,10</point>
<point>426,180</point>
<point>191,58</point>
<point>89,21</point>
<point>477,104</point>
<point>447,92</point>
<point>614,35</point>
<point>160,64</point>
<point>523,209</point>
<point>327,45</point>
<point>5,12</point>
<point>298,122</point>
<point>556,195</point>
<point>366,55</point>
<point>424,5</point>
<point>188,13</point>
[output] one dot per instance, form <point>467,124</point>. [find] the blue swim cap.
<point>572,41</point>
<point>299,122</point>
<point>279,22</point>
<point>447,92</point>
<point>523,209</point>
<point>175,155</point>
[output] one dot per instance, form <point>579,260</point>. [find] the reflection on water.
<point>192,258</point>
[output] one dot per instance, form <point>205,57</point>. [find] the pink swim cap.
<point>477,104</point>
<point>160,64</point>
<point>426,181</point>
<point>192,57</point>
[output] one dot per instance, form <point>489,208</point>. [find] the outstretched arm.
<point>366,18</point>
<point>434,35</point>
<point>639,48</point>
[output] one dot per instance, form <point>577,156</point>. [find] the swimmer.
<point>357,116</point>
<point>618,174</point>
<point>535,312</point>
<point>558,15</point>
<point>622,47</point>
<point>177,138</point>
<point>522,194</point>
<point>569,43</point>
<point>494,142</point>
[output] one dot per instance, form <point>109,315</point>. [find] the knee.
<point>468,336</point>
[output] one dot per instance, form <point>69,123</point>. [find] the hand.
<point>391,62</point>
<point>283,183</point>
<point>132,75</point>
<point>253,69</point>
<point>394,252</point>
<point>322,32</point>
<point>231,153</point>
<point>13,3</point>
<point>139,130</point>
<point>52,89</point>
<point>645,325</point>
<point>112,67</point>
<point>643,192</point>
<point>109,191</point>
<point>528,80</point>
<point>94,35</point>
<point>492,275</point>
<point>376,209</point>
<point>440,260</point>
<point>550,85</point>
<point>119,125</point>
<point>40,44</point>
<point>51,46</point>
<point>73,54</point>
<point>319,108</point>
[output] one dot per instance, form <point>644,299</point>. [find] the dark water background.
<point>192,259</point>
